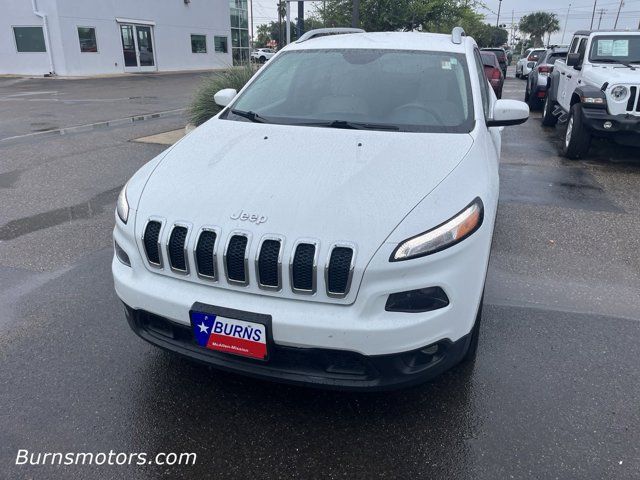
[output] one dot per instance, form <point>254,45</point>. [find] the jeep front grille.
<point>205,256</point>
<point>303,268</point>
<point>151,240</point>
<point>633,105</point>
<point>176,249</point>
<point>206,244</point>
<point>269,264</point>
<point>235,258</point>
<point>339,271</point>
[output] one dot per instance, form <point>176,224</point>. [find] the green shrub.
<point>203,107</point>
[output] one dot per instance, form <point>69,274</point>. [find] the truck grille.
<point>633,104</point>
<point>302,265</point>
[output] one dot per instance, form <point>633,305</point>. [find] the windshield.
<point>615,48</point>
<point>412,91</point>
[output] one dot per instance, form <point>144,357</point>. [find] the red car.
<point>493,72</point>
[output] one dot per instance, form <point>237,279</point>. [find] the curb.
<point>98,125</point>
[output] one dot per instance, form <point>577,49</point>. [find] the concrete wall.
<point>174,21</point>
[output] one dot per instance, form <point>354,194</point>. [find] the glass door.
<point>137,48</point>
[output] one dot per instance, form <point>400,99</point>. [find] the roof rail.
<point>321,32</point>
<point>456,34</point>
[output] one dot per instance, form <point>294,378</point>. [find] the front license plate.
<point>230,335</point>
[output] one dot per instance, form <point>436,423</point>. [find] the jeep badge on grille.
<point>249,217</point>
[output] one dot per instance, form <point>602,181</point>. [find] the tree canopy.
<point>539,24</point>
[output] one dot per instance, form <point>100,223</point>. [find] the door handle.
<point>568,76</point>
<point>562,73</point>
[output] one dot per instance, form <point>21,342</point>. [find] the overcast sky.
<point>579,14</point>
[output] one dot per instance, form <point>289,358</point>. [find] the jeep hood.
<point>613,74</point>
<point>323,183</point>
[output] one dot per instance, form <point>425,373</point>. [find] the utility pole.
<point>595,2</point>
<point>499,7</point>
<point>355,14</point>
<point>618,15</point>
<point>300,26</point>
<point>602,10</point>
<point>566,20</point>
<point>251,8</point>
<point>513,30</point>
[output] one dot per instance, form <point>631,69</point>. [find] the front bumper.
<point>595,119</point>
<point>325,368</point>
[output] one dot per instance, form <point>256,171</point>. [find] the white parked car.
<point>528,61</point>
<point>262,54</point>
<point>596,89</point>
<point>332,225</point>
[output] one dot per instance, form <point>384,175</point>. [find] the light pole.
<point>499,7</point>
<point>595,2</point>
<point>566,20</point>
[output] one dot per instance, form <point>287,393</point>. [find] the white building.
<point>90,37</point>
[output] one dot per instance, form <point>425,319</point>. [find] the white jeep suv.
<point>332,225</point>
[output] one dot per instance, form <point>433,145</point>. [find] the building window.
<point>198,44</point>
<point>220,44</point>
<point>239,31</point>
<point>87,36</point>
<point>29,39</point>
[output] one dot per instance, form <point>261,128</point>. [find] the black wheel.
<point>263,59</point>
<point>533,101</point>
<point>472,349</point>
<point>526,93</point>
<point>548,118</point>
<point>577,138</point>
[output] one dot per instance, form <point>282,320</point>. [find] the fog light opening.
<point>417,301</point>
<point>121,254</point>
<point>607,125</point>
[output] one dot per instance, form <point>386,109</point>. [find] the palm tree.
<point>538,24</point>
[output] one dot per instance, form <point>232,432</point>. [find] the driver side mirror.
<point>573,60</point>
<point>224,97</point>
<point>508,112</point>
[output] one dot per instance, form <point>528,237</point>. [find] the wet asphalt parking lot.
<point>554,392</point>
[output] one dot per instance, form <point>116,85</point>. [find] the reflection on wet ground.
<point>22,226</point>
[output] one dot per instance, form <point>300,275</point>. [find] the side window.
<point>582,49</point>
<point>484,85</point>
<point>574,45</point>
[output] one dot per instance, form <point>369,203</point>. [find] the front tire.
<point>263,59</point>
<point>577,138</point>
<point>548,118</point>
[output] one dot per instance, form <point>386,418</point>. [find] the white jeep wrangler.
<point>596,90</point>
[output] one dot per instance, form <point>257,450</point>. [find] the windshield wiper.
<point>613,60</point>
<point>351,125</point>
<point>253,116</point>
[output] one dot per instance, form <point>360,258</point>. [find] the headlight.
<point>122,207</point>
<point>619,93</point>
<point>443,236</point>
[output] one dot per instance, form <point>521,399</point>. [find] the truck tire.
<point>577,138</point>
<point>548,118</point>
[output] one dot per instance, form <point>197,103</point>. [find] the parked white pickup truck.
<point>596,89</point>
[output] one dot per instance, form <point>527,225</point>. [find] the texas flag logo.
<point>229,335</point>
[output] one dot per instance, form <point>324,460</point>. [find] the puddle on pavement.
<point>80,211</point>
<point>546,185</point>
